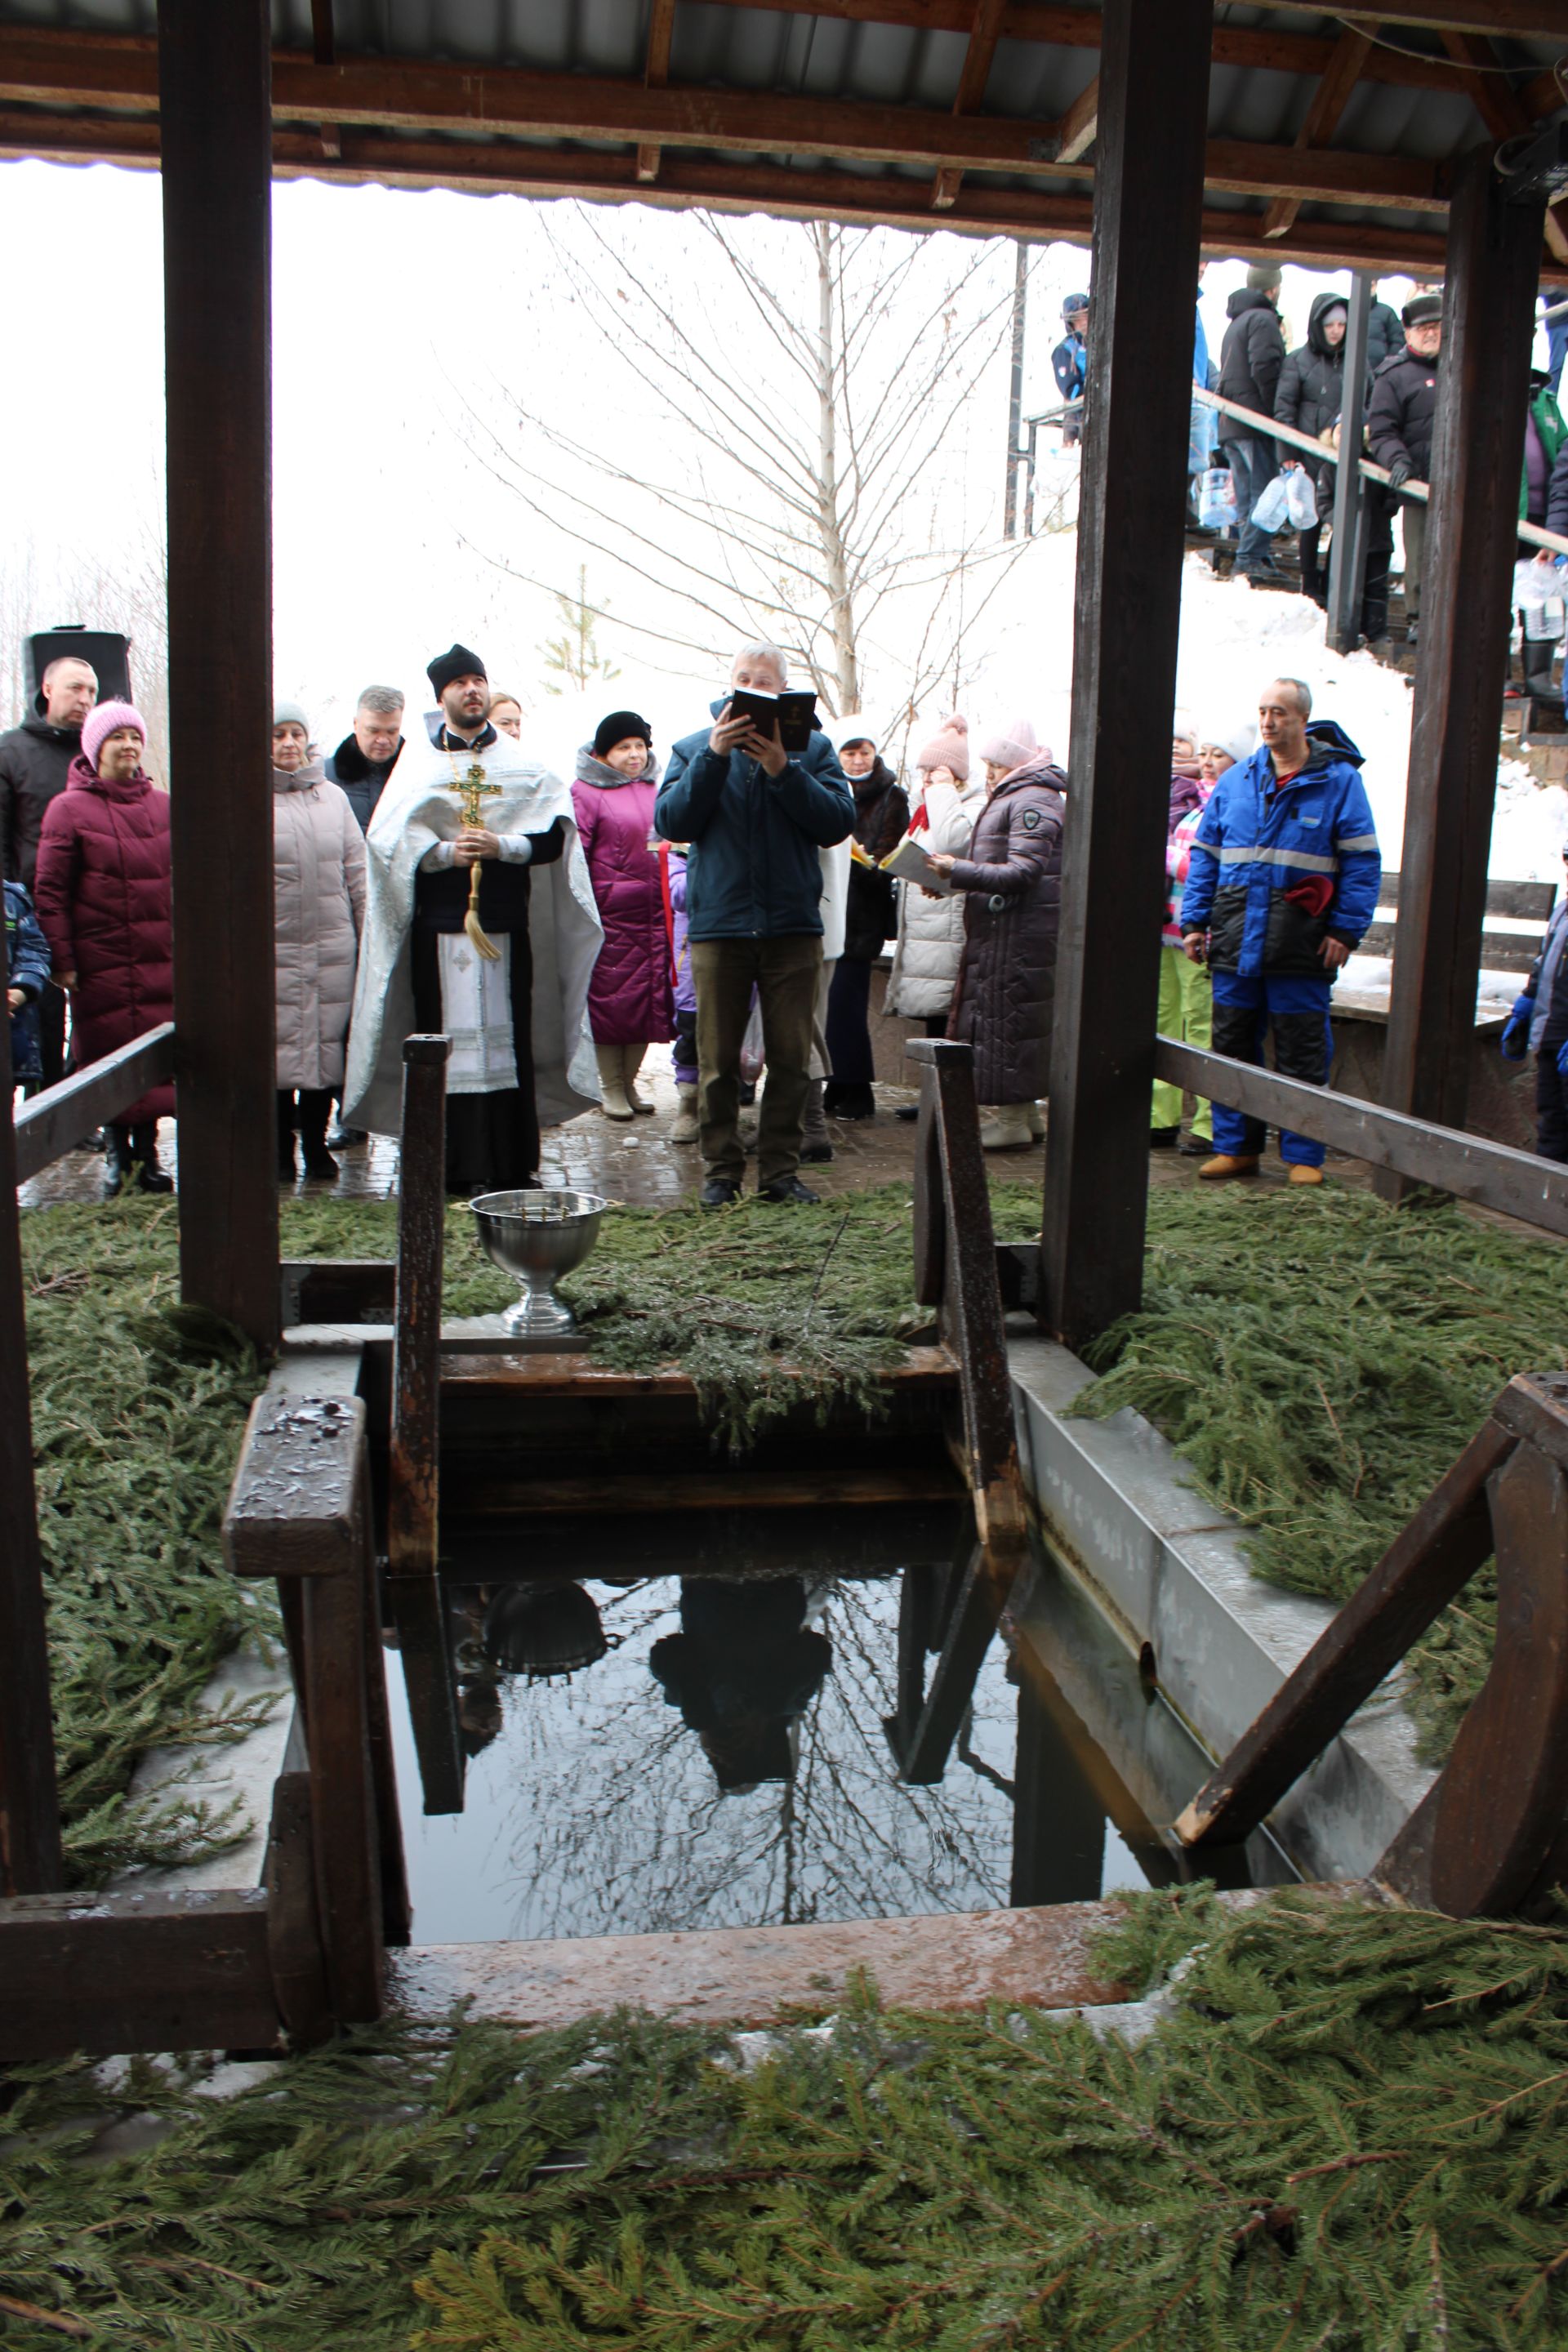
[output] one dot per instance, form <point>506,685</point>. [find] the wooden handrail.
<point>1493,1175</point>
<point>52,1122</point>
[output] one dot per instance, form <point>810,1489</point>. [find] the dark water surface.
<point>723,1762</point>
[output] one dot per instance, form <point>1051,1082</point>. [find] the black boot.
<point>286,1115</point>
<point>118,1161</point>
<point>150,1177</point>
<point>313,1108</point>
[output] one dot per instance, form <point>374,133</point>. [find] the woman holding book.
<point>1009,889</point>
<point>931,929</point>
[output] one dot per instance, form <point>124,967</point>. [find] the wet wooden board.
<point>752,1976</point>
<point>754,1490</point>
<point>118,1973</point>
<point>573,1375</point>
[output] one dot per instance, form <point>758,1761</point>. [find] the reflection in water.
<point>743,1670</point>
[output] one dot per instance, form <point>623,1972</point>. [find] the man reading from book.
<point>756,815</point>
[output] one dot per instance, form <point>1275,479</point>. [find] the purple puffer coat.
<point>630,995</point>
<point>1007,983</point>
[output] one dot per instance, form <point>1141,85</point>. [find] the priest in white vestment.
<point>505,974</point>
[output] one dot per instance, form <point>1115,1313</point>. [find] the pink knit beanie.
<point>104,719</point>
<point>949,747</point>
<point>1013,747</point>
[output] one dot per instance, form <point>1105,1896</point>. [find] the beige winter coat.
<point>319,866</point>
<point>931,930</point>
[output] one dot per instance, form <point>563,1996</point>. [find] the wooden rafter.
<point>397,97</point>
<point>1500,106</point>
<point>1079,126</point>
<point>323,40</point>
<point>487,167</point>
<point>1330,100</point>
<point>983,34</point>
<point>656,74</point>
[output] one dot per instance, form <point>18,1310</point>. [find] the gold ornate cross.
<point>472,787</point>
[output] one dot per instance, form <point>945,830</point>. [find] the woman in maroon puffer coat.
<point>630,996</point>
<point>1005,996</point>
<point>103,901</point>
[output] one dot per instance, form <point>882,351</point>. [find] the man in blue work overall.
<point>1282,882</point>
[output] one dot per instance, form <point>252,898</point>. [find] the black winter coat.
<point>1012,880</point>
<point>1250,360</point>
<point>361,780</point>
<point>35,760</point>
<point>1385,335</point>
<point>1401,410</point>
<point>881,821</point>
<point>1312,386</point>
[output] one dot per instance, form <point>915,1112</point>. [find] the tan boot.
<point>1004,1127</point>
<point>1302,1174</point>
<point>631,1063</point>
<point>685,1130</point>
<point>1229,1163</point>
<point>611,1083</point>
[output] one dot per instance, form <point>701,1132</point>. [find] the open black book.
<point>792,714</point>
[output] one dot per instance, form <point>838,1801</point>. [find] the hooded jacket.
<point>361,782</point>
<point>35,760</point>
<point>1250,360</point>
<point>1011,883</point>
<point>1400,414</point>
<point>1548,984</point>
<point>27,968</point>
<point>629,995</point>
<point>930,929</point>
<point>1311,385</point>
<point>1385,335</point>
<point>104,905</point>
<point>319,886</point>
<point>1258,842</point>
<point>752,870</point>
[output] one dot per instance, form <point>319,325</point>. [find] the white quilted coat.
<point>319,864</point>
<point>931,930</point>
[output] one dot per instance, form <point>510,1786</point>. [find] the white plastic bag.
<point>1301,498</point>
<point>1217,499</point>
<point>1538,597</point>
<point>751,1045</point>
<point>1272,511</point>
<point>1202,437</point>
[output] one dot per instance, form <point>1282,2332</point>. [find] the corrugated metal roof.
<point>766,52</point>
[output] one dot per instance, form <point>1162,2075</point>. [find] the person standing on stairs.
<point>1251,359</point>
<point>1010,887</point>
<point>1400,418</point>
<point>1282,881</point>
<point>630,1004</point>
<point>105,907</point>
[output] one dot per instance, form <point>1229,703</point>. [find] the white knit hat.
<point>1183,724</point>
<point>1240,742</point>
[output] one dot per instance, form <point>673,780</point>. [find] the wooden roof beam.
<point>1545,19</point>
<point>1258,48</point>
<point>1079,126</point>
<point>983,34</point>
<point>656,74</point>
<point>1329,101</point>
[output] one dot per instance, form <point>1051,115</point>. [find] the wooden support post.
<point>971,1296</point>
<point>1148,201</point>
<point>29,1803</point>
<point>976,1612</point>
<point>300,1510</point>
<point>1347,556</point>
<point>1494,258</point>
<point>216,147</point>
<point>413,1496</point>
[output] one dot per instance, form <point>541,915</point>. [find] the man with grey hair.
<point>1282,880</point>
<point>756,818</point>
<point>35,760</point>
<point>365,758</point>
